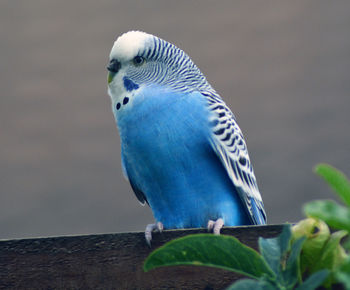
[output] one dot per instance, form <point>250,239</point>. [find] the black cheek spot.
<point>118,106</point>
<point>125,101</point>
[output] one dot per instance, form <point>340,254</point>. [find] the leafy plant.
<point>335,215</point>
<point>332,255</point>
<point>277,267</point>
<point>321,249</point>
<point>304,256</point>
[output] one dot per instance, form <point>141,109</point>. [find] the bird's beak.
<point>110,76</point>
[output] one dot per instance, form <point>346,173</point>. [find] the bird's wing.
<point>139,194</point>
<point>228,143</point>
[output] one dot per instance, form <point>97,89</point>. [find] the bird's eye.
<point>138,60</point>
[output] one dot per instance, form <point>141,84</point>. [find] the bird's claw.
<point>215,226</point>
<point>157,227</point>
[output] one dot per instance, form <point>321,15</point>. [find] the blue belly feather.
<point>167,155</point>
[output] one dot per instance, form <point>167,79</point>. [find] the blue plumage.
<point>182,149</point>
<point>168,157</point>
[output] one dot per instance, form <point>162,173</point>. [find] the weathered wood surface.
<point>110,261</point>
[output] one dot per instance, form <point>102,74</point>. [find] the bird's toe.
<point>215,226</point>
<point>157,227</point>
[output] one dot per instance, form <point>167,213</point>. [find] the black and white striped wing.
<point>229,145</point>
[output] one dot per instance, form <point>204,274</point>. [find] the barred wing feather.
<point>228,143</point>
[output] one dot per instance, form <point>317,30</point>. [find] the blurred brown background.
<point>283,67</point>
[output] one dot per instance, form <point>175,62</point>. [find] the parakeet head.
<point>138,59</point>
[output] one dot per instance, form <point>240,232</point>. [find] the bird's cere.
<point>128,45</point>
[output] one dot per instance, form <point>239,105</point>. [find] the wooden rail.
<point>110,261</point>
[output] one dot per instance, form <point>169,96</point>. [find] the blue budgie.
<point>182,150</point>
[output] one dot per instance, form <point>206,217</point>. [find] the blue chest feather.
<point>167,155</point>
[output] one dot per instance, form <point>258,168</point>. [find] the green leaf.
<point>333,253</point>
<point>343,274</point>
<point>333,214</point>
<point>314,281</point>
<point>333,256</point>
<point>273,250</point>
<point>209,250</point>
<point>344,278</point>
<point>336,180</point>
<point>282,257</point>
<point>248,284</point>
<point>291,275</point>
<point>346,245</point>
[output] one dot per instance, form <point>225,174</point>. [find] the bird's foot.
<point>157,227</point>
<point>215,226</point>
